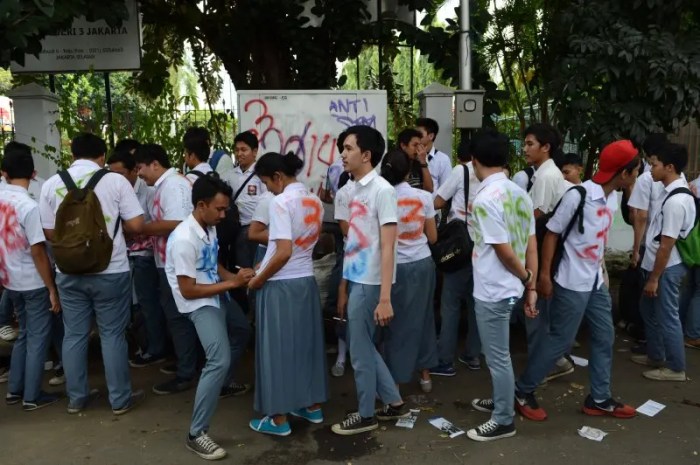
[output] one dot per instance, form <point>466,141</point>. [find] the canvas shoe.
<point>665,374</point>
<point>266,425</point>
<point>205,447</point>
<point>491,431</point>
<point>355,424</point>
<point>527,406</point>
<point>609,407</point>
<point>313,416</point>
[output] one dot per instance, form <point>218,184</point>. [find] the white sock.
<point>342,349</point>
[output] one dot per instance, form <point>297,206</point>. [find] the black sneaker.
<point>12,399</point>
<point>527,406</point>
<point>355,424</point>
<point>173,386</point>
<point>144,360</point>
<point>134,400</point>
<point>234,389</point>
<point>170,369</point>
<point>389,412</point>
<point>205,447</point>
<point>490,431</point>
<point>483,405</point>
<point>74,408</point>
<point>44,400</point>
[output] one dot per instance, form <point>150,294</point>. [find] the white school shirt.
<point>225,165</point>
<point>414,207</point>
<point>342,201</point>
<point>295,215</point>
<point>502,214</point>
<point>454,189</point>
<point>142,245</point>
<point>203,168</point>
<point>675,219</point>
<point>35,185</point>
<point>440,167</point>
<point>648,195</point>
<point>117,199</point>
<point>262,210</point>
<point>521,179</point>
<point>373,204</point>
<point>192,251</point>
<point>250,195</point>
<point>172,201</point>
<point>583,254</point>
<point>20,228</point>
<point>547,187</point>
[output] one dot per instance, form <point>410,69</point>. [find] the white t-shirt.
<point>262,210</point>
<point>373,204</point>
<point>440,167</point>
<point>192,251</point>
<point>648,195</point>
<point>20,228</point>
<point>502,214</point>
<point>414,207</point>
<point>172,202</point>
<point>35,185</point>
<point>548,186</point>
<point>454,189</point>
<point>675,219</point>
<point>117,199</point>
<point>342,201</point>
<point>142,245</point>
<point>522,179</point>
<point>203,168</point>
<point>250,195</point>
<point>584,253</point>
<point>295,215</point>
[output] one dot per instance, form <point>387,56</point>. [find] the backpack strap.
<point>578,214</point>
<point>96,178</point>
<point>677,190</point>
<point>530,171</point>
<point>238,192</point>
<point>466,189</point>
<point>197,173</point>
<point>68,180</point>
<point>216,157</point>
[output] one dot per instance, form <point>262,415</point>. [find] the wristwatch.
<point>527,278</point>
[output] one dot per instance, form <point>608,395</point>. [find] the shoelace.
<point>207,443</point>
<point>486,403</point>
<point>351,419</point>
<point>263,420</point>
<point>488,427</point>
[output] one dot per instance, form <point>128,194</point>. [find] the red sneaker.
<point>609,407</point>
<point>527,406</point>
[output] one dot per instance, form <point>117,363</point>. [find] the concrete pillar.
<point>36,113</point>
<point>436,102</point>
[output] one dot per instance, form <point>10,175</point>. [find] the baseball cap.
<point>613,158</point>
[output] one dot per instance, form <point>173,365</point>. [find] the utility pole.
<point>469,103</point>
<point>465,52</point>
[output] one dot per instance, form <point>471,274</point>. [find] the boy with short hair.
<point>571,167</point>
<point>439,163</point>
<point>369,267</point>
<point>25,273</point>
<point>196,144</point>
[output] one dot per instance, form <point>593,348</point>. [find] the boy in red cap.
<point>581,222</point>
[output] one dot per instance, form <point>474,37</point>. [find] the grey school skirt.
<point>290,355</point>
<point>410,342</point>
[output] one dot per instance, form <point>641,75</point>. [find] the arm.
<point>325,195</point>
<point>344,227</point>
<point>49,234</point>
<point>427,179</point>
<point>258,232</point>
<point>662,255</point>
<point>439,203</point>
<point>43,267</point>
<point>532,265</point>
<point>507,256</point>
<point>342,297</point>
<point>191,289</point>
<point>160,228</point>
<point>639,223</point>
<point>544,281</point>
<point>538,213</point>
<point>430,230</point>
<point>283,252</point>
<point>384,312</point>
<point>134,225</point>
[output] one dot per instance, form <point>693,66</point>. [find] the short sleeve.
<point>641,193</point>
<point>429,206</point>
<point>537,194</point>
<point>449,189</point>
<point>387,207</point>
<point>673,217</point>
<point>176,202</point>
<point>129,206</point>
<point>491,223</point>
<point>46,211</point>
<point>184,258</point>
<point>565,212</point>
<point>520,178</point>
<point>32,227</point>
<point>342,205</point>
<point>280,221</point>
<point>262,210</point>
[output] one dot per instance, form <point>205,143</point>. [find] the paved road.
<point>154,433</point>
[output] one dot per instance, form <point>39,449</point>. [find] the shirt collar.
<point>544,167</point>
<point>139,185</point>
<point>680,182</point>
<point>203,167</point>
<point>368,177</point>
<point>197,228</point>
<point>595,191</point>
<point>492,179</point>
<point>12,187</point>
<point>294,187</point>
<point>86,163</point>
<point>249,170</point>
<point>164,176</point>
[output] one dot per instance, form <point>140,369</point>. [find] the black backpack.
<point>228,229</point>
<point>530,171</point>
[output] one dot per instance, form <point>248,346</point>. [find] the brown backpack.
<point>81,243</point>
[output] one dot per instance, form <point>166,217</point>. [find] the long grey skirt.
<point>290,356</point>
<point>410,342</point>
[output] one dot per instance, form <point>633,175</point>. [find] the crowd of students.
<point>196,250</point>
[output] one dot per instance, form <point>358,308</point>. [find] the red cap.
<point>613,158</point>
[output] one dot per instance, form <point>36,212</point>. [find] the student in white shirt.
<point>409,140</point>
<point>290,357</point>
<point>457,286</point>
<point>200,285</point>
<point>523,178</point>
<point>258,231</point>
<point>196,154</point>
<point>663,269</point>
<point>243,180</point>
<point>107,294</point>
<point>369,267</point>
<point>439,163</point>
<point>25,274</point>
<point>410,343</point>
<point>690,301</point>
<point>172,204</point>
<point>145,273</point>
<point>505,264</point>
<point>578,289</point>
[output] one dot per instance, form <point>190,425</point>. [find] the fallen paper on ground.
<point>650,408</point>
<point>592,433</point>
<point>446,427</point>
<point>582,362</point>
<point>410,421</point>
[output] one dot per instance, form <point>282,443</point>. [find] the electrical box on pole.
<point>469,108</point>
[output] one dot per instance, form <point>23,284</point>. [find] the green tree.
<point>5,81</point>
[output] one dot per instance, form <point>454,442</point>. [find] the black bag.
<point>228,228</point>
<point>453,249</point>
<point>541,228</point>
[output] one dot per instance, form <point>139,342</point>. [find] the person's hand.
<point>530,305</point>
<point>55,302</point>
<point>634,259</point>
<point>242,278</point>
<point>383,313</point>
<point>342,304</point>
<point>422,154</point>
<point>545,288</point>
<point>651,287</point>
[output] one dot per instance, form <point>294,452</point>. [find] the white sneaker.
<point>338,369</point>
<point>8,333</point>
<point>59,376</point>
<point>205,447</point>
<point>665,374</point>
<point>426,385</point>
<point>4,374</point>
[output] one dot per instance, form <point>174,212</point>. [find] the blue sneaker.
<point>444,369</point>
<point>267,426</point>
<point>314,416</point>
